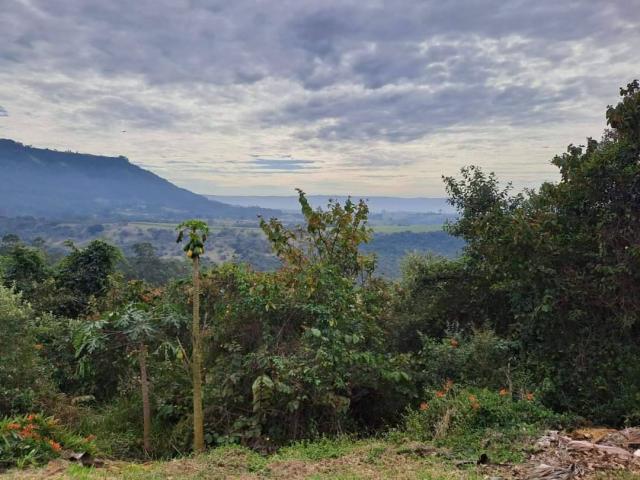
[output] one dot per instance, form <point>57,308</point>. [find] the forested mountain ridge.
<point>51,183</point>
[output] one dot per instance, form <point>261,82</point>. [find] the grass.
<point>341,459</point>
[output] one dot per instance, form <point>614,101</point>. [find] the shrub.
<point>475,420</point>
<point>23,376</point>
<point>34,439</point>
<point>481,359</point>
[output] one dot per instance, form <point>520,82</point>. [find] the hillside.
<point>49,183</point>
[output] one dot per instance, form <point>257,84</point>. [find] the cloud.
<point>3,112</point>
<point>423,86</point>
<point>287,164</point>
<point>405,114</point>
<point>128,111</point>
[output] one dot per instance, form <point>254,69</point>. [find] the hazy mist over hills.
<point>49,183</point>
<point>376,204</point>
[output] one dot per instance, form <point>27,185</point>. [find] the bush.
<point>480,359</point>
<point>23,376</point>
<point>478,420</point>
<point>34,439</point>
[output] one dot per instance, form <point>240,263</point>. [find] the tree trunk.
<point>196,362</point>
<point>146,406</point>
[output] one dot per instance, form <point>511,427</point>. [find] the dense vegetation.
<point>536,323</point>
<point>237,241</point>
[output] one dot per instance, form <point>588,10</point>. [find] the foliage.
<point>197,230</point>
<point>24,268</point>
<point>566,259</point>
<point>145,264</point>
<point>23,375</point>
<point>34,439</point>
<point>84,275</point>
<point>300,352</point>
<point>479,420</point>
<point>332,236</point>
<point>437,296</point>
<point>480,359</point>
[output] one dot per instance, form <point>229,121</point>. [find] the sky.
<point>342,97</point>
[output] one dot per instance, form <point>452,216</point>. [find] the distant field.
<point>406,228</point>
<point>214,227</point>
<point>376,228</point>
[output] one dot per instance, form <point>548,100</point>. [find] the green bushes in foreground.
<point>35,439</point>
<point>23,374</point>
<point>479,420</point>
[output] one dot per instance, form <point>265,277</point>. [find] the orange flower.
<point>454,343</point>
<point>55,445</point>
<point>529,397</point>
<point>474,402</point>
<point>504,392</point>
<point>13,426</point>
<point>31,417</point>
<point>440,394</point>
<point>424,406</point>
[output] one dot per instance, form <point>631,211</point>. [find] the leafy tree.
<point>24,268</point>
<point>146,265</point>
<point>301,351</point>
<point>84,275</point>
<point>332,236</point>
<point>9,241</point>
<point>566,259</point>
<point>132,329</point>
<point>197,232</point>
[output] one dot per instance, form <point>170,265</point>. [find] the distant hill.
<point>376,204</point>
<point>49,183</point>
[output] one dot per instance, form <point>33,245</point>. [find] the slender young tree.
<point>197,231</point>
<point>130,329</point>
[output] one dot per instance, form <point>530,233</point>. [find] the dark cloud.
<point>245,41</point>
<point>401,115</point>
<point>352,70</point>
<point>3,112</point>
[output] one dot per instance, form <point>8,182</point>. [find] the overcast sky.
<point>335,97</point>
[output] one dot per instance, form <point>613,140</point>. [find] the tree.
<point>24,268</point>
<point>303,350</point>
<point>84,275</point>
<point>132,329</point>
<point>197,231</point>
<point>565,262</point>
<point>332,236</point>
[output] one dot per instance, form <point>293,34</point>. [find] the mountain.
<point>376,204</point>
<point>53,184</point>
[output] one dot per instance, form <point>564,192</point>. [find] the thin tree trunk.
<point>146,406</point>
<point>196,362</point>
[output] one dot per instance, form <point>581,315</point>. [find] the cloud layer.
<point>351,92</point>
